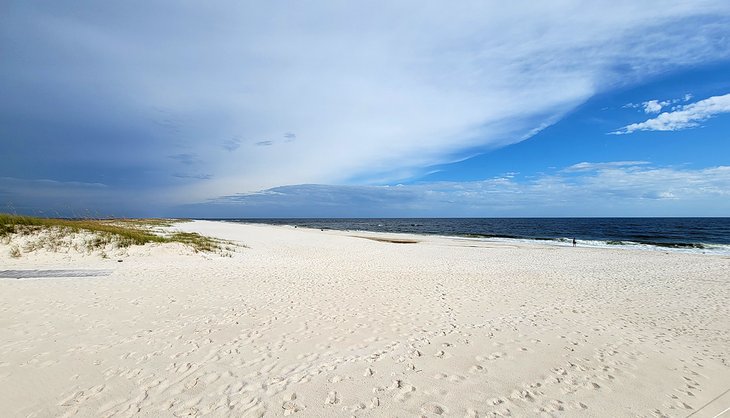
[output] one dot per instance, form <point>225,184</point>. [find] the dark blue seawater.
<point>679,233</point>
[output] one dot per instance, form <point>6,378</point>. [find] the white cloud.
<point>371,90</point>
<point>585,166</point>
<point>656,106</point>
<point>653,106</point>
<point>687,116</point>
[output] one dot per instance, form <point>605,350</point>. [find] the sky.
<point>365,109</point>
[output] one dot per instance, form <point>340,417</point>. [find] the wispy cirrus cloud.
<point>193,176</point>
<point>185,158</point>
<point>586,166</point>
<point>684,117</point>
<point>232,144</point>
<point>290,136</point>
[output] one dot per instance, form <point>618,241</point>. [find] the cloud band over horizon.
<point>603,189</point>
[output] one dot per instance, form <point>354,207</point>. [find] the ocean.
<point>697,235</point>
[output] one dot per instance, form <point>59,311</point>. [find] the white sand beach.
<point>309,323</point>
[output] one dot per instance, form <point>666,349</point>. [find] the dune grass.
<point>124,232</point>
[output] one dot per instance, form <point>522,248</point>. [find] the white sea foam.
<point>703,248</point>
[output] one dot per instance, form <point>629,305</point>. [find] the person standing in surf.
<point>573,242</point>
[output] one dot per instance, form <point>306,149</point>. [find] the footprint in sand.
<point>476,369</point>
<point>433,408</point>
<point>471,413</point>
<point>555,405</point>
<point>291,406</point>
<point>592,385</point>
<point>211,378</point>
<point>72,399</point>
<point>456,378</point>
<point>495,401</point>
<point>332,398</point>
<point>504,412</point>
<point>579,405</point>
<point>523,395</point>
<point>405,393</point>
<point>354,408</point>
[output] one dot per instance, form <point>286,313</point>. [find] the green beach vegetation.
<point>118,232</point>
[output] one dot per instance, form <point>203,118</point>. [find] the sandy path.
<point>312,324</point>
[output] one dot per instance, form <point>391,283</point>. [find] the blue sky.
<point>245,109</point>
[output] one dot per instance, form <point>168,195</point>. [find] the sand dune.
<point>323,324</point>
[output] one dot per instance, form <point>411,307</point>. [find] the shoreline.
<point>701,249</point>
<point>302,322</point>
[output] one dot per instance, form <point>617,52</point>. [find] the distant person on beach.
<point>573,242</point>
